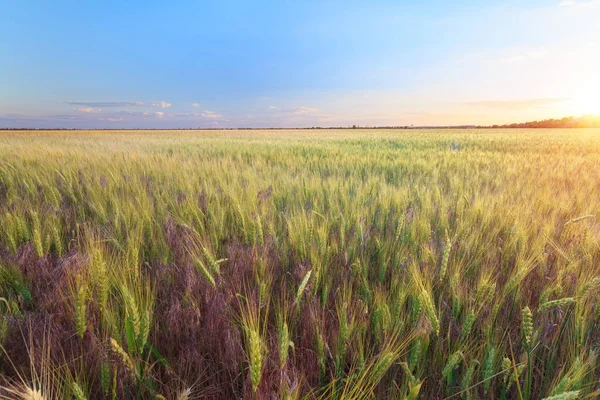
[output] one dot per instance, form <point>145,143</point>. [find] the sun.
<point>589,104</point>
<point>583,104</point>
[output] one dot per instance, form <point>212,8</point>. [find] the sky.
<point>231,63</point>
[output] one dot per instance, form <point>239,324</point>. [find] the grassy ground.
<point>288,264</point>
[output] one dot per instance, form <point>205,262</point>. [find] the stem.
<point>529,373</point>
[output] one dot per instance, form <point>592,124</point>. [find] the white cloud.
<point>196,105</point>
<point>88,110</point>
<point>161,104</point>
<point>159,114</point>
<point>210,114</point>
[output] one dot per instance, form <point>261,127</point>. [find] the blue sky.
<point>157,64</point>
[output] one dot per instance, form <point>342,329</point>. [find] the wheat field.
<point>301,264</point>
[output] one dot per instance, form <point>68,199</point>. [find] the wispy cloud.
<point>576,3</point>
<point>305,110</point>
<point>195,105</point>
<point>88,117</point>
<point>508,55</point>
<point>161,104</point>
<point>292,116</point>
<point>516,104</point>
<point>88,110</point>
<point>523,56</point>
<point>132,115</point>
<point>107,104</point>
<point>104,104</point>
<point>294,110</point>
<point>145,114</point>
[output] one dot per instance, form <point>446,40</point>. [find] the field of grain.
<point>346,264</point>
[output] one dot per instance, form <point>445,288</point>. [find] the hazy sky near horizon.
<point>170,64</point>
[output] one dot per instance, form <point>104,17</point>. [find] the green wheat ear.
<point>4,328</point>
<point>37,235</point>
<point>105,378</point>
<point>320,350</point>
<point>302,286</point>
<point>205,272</point>
<point>565,396</point>
<point>516,374</point>
<point>284,339</point>
<point>81,310</point>
<point>488,368</point>
<point>57,240</point>
<point>122,356</point>
<point>259,231</point>
<point>527,325</point>
<point>256,357</point>
<point>429,310</point>
<point>445,258</point>
<point>102,283</point>
<point>467,379</point>
<point>557,303</point>
<point>467,326</point>
<point>415,354</point>
<point>452,364</point>
<point>507,368</point>
<point>144,332</point>
<point>78,392</point>
<point>132,320</point>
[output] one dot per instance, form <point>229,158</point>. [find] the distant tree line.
<point>586,121</point>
